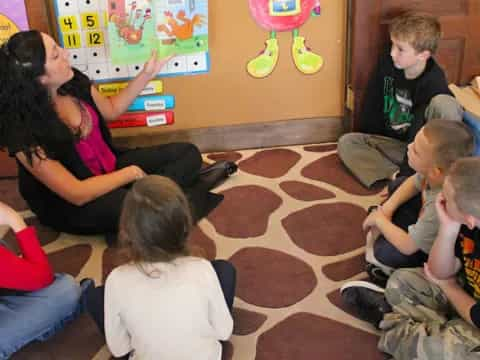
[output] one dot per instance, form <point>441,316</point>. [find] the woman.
<point>52,119</point>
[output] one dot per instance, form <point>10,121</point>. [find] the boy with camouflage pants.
<point>434,312</point>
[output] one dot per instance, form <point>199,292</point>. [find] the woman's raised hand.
<point>153,66</point>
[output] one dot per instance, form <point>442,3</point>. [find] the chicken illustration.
<point>182,29</point>
<point>284,15</point>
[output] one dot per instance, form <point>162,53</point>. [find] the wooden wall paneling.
<point>459,48</point>
<point>364,39</point>
<point>234,137</point>
<point>37,12</point>
<point>458,52</point>
<point>434,7</point>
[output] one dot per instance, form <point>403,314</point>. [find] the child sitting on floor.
<point>407,89</point>
<point>402,230</point>
<point>35,303</point>
<point>164,304</point>
<point>434,313</point>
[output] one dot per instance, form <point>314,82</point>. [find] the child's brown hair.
<point>421,31</point>
<point>464,177</point>
<point>155,221</point>
<point>450,140</point>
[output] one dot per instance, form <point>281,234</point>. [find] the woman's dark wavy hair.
<point>155,221</point>
<point>28,120</point>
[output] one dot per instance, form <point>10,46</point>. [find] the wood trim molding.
<point>236,137</point>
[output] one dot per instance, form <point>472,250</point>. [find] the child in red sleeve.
<point>34,303</point>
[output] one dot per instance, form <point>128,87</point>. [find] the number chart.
<point>82,29</point>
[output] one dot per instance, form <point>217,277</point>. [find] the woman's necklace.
<point>63,106</point>
<point>85,127</point>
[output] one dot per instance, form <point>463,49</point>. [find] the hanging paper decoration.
<point>284,15</point>
<point>13,18</point>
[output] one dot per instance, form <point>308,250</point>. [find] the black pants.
<point>406,215</point>
<point>179,161</point>
<point>226,273</point>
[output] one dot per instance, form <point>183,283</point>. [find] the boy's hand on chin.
<point>446,222</point>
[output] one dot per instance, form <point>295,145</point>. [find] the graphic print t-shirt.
<point>398,94</point>
<point>394,106</point>
<point>467,249</point>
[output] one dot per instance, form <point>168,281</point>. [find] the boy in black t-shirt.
<point>407,89</point>
<point>434,312</point>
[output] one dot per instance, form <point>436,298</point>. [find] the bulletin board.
<point>227,95</point>
<point>83,28</point>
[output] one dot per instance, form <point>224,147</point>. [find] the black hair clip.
<point>9,54</point>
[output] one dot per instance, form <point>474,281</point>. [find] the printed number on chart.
<point>72,41</point>
<point>68,23</point>
<point>90,20</point>
<point>94,38</point>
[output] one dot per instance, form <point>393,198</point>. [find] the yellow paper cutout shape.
<point>7,28</point>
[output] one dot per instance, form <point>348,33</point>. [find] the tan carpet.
<point>291,224</point>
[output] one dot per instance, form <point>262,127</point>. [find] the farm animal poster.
<point>83,29</point>
<point>136,27</point>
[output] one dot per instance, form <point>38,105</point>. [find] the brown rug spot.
<point>9,165</point>
<point>305,192</point>
<point>308,336</point>
<point>10,195</point>
<point>327,229</point>
<point>270,163</point>
<point>330,169</point>
<point>228,156</point>
<point>246,322</point>
<point>271,278</point>
<point>70,260</point>
<point>345,269</point>
<point>321,148</point>
<point>198,239</point>
<point>245,211</point>
<point>79,340</point>
<point>227,350</point>
<point>112,258</point>
<point>45,234</point>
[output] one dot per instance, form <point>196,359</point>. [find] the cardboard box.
<point>467,97</point>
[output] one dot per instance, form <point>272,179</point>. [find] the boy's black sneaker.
<point>376,275</point>
<point>367,299</point>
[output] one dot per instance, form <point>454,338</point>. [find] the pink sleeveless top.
<point>93,150</point>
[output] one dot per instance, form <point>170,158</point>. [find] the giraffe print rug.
<point>291,224</point>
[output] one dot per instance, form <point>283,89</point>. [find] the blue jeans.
<point>406,215</point>
<point>36,315</point>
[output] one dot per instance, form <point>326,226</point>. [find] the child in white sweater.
<point>165,304</point>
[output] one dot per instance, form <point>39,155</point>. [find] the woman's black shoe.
<point>229,167</point>
<point>215,174</point>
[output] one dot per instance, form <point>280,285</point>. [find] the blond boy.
<point>407,89</point>
<point>406,225</point>
<point>434,312</point>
